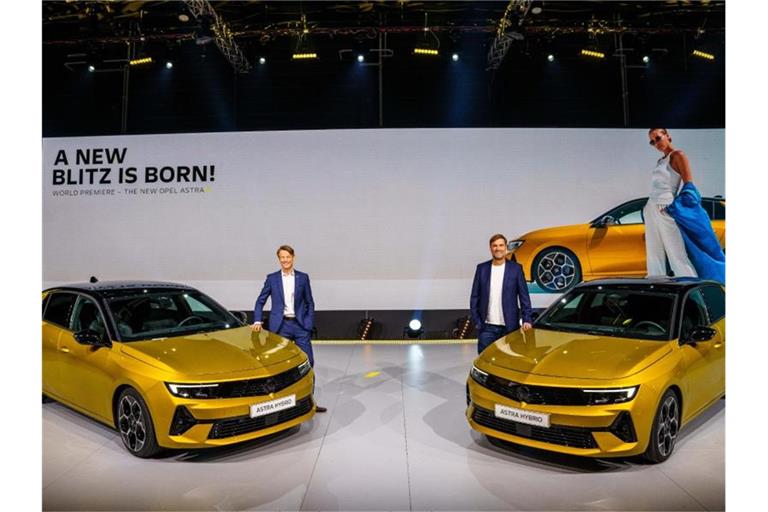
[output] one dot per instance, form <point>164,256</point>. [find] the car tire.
<point>666,426</point>
<point>47,399</point>
<point>134,423</point>
<point>556,269</point>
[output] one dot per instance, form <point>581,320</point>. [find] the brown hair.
<point>496,237</point>
<point>286,248</point>
<point>662,129</point>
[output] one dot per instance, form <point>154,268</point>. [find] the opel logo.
<point>523,394</point>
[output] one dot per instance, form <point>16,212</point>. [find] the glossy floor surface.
<point>394,438</point>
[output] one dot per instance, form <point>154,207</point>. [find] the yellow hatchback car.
<point>612,245</point>
<point>613,368</point>
<point>168,367</point>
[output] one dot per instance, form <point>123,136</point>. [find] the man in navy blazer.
<point>293,310</point>
<point>497,287</point>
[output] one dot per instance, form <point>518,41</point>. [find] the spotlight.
<point>646,59</point>
<point>91,68</point>
<point>551,58</point>
<point>169,65</point>
<point>414,329</point>
<point>593,54</point>
<point>262,60</point>
<point>703,55</point>
<point>455,57</point>
<point>360,58</point>
<point>139,62</point>
<point>365,329</point>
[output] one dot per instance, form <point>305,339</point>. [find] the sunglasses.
<point>656,139</point>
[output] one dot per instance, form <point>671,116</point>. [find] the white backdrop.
<point>381,219</point>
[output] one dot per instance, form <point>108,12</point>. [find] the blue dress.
<point>701,243</point>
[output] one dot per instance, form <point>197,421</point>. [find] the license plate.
<point>522,416</point>
<point>278,404</point>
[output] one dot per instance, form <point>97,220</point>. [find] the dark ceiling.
<point>404,91</point>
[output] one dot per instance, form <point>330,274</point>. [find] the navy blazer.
<point>514,287</point>
<point>303,304</point>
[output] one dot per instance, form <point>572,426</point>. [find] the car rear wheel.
<point>556,270</point>
<point>666,426</point>
<point>135,424</point>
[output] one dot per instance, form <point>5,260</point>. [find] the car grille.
<point>245,424</point>
<point>256,387</point>
<point>536,395</point>
<point>565,436</point>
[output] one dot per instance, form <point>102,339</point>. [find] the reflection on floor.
<point>394,438</point>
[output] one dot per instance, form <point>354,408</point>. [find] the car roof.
<point>100,287</point>
<point>660,283</point>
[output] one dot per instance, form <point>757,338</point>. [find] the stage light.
<point>455,57</point>
<point>463,327</point>
<point>169,65</point>
<point>703,55</point>
<point>365,329</point>
<point>360,58</point>
<point>262,60</point>
<point>414,329</point>
<point>139,62</point>
<point>426,51</point>
<point>593,54</point>
<point>551,58</point>
<point>91,68</point>
<point>646,59</point>
<point>304,56</point>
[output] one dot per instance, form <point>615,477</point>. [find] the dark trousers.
<point>488,334</point>
<point>291,329</point>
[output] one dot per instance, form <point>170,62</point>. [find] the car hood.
<point>557,232</point>
<point>574,355</point>
<point>210,353</point>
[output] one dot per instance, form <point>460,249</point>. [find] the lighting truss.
<point>223,36</point>
<point>516,9</point>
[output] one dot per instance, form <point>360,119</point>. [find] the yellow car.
<point>168,367</point>
<point>613,368</point>
<point>612,245</point>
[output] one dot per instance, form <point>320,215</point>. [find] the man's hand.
<point>526,326</point>
<point>256,327</point>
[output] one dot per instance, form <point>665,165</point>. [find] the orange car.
<point>612,245</point>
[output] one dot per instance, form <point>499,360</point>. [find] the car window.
<point>59,307</point>
<point>167,313</point>
<point>86,316</point>
<point>714,299</point>
<point>613,312</point>
<point>694,313</point>
<point>719,210</point>
<point>630,213</point>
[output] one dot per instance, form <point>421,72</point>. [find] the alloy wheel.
<point>668,426</point>
<point>132,423</point>
<point>556,270</point>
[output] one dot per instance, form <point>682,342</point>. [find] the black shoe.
<point>320,409</point>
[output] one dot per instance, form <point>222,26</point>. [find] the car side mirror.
<point>91,338</point>
<point>240,315</point>
<point>604,222</point>
<point>699,333</point>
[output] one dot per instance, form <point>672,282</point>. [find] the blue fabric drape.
<point>701,243</point>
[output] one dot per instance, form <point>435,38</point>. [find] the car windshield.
<point>612,312</point>
<point>160,314</point>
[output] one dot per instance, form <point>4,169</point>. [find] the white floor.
<point>396,440</point>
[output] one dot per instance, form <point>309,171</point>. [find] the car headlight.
<point>478,375</point>
<point>193,390</point>
<point>304,368</point>
<point>514,244</point>
<point>610,396</point>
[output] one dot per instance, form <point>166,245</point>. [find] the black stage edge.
<point>388,324</point>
